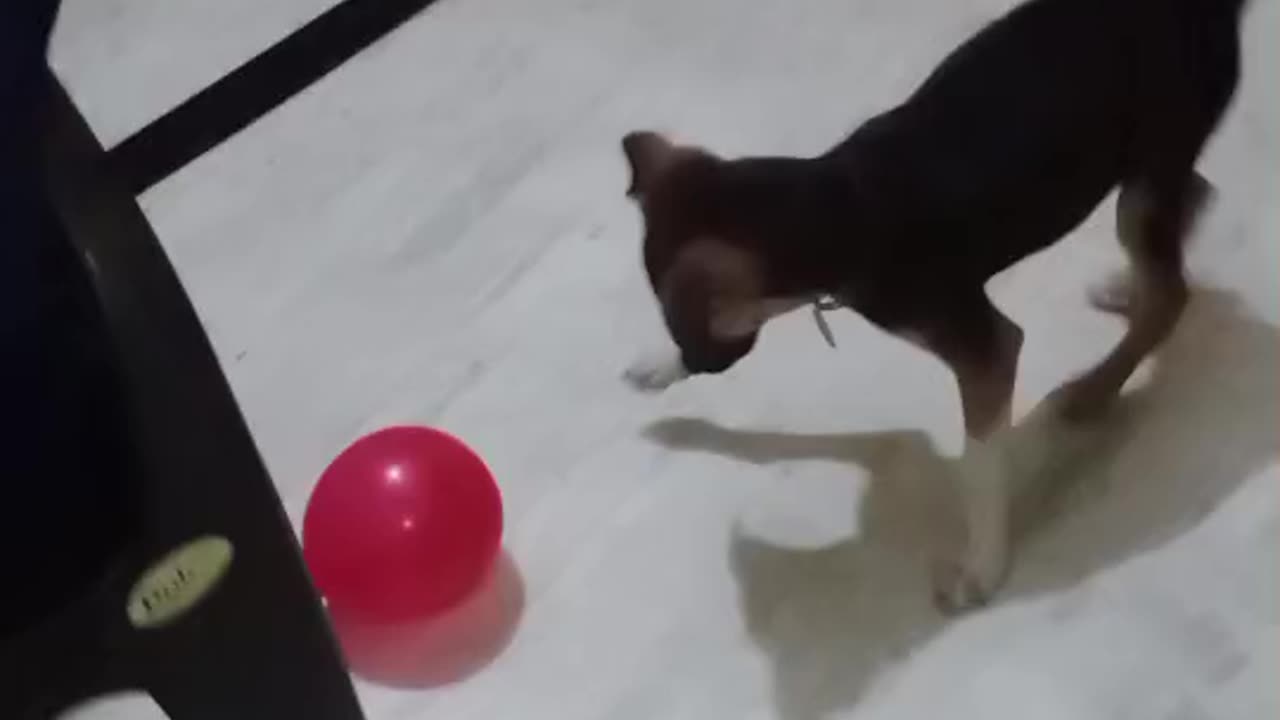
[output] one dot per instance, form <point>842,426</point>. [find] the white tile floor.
<point>436,233</point>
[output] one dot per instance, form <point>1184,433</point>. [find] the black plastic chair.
<point>232,628</point>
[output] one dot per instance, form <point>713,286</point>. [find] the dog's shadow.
<point>829,619</point>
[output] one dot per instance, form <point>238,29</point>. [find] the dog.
<point>1005,148</point>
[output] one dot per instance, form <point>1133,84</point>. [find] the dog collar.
<point>823,304</point>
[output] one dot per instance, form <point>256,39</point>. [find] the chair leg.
<point>258,644</point>
<point>67,657</point>
<point>289,670</point>
<point>259,647</point>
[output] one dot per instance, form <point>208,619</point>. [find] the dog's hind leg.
<point>1118,294</point>
<point>1186,75</point>
<point>1155,217</point>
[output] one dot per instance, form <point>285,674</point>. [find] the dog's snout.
<point>710,356</point>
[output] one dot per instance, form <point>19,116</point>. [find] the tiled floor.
<point>437,233</point>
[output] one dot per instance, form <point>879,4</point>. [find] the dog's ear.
<point>723,284</point>
<point>649,154</point>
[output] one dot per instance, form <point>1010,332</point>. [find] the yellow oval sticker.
<point>179,581</point>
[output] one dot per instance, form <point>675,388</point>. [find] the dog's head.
<point>704,273</point>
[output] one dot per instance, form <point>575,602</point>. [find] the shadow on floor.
<point>441,650</point>
<point>829,619</point>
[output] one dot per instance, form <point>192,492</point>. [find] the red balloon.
<point>404,523</point>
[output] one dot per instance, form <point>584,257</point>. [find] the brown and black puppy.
<point>1008,146</point>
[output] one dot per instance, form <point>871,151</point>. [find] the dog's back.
<point>1024,129</point>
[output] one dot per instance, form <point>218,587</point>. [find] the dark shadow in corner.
<point>1168,454</point>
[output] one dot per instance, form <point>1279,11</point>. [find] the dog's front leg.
<point>656,370</point>
<point>984,358</point>
<point>973,578</point>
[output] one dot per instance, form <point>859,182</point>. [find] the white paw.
<point>655,373</point>
<point>973,579</point>
<point>959,587</point>
<point>1114,295</point>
